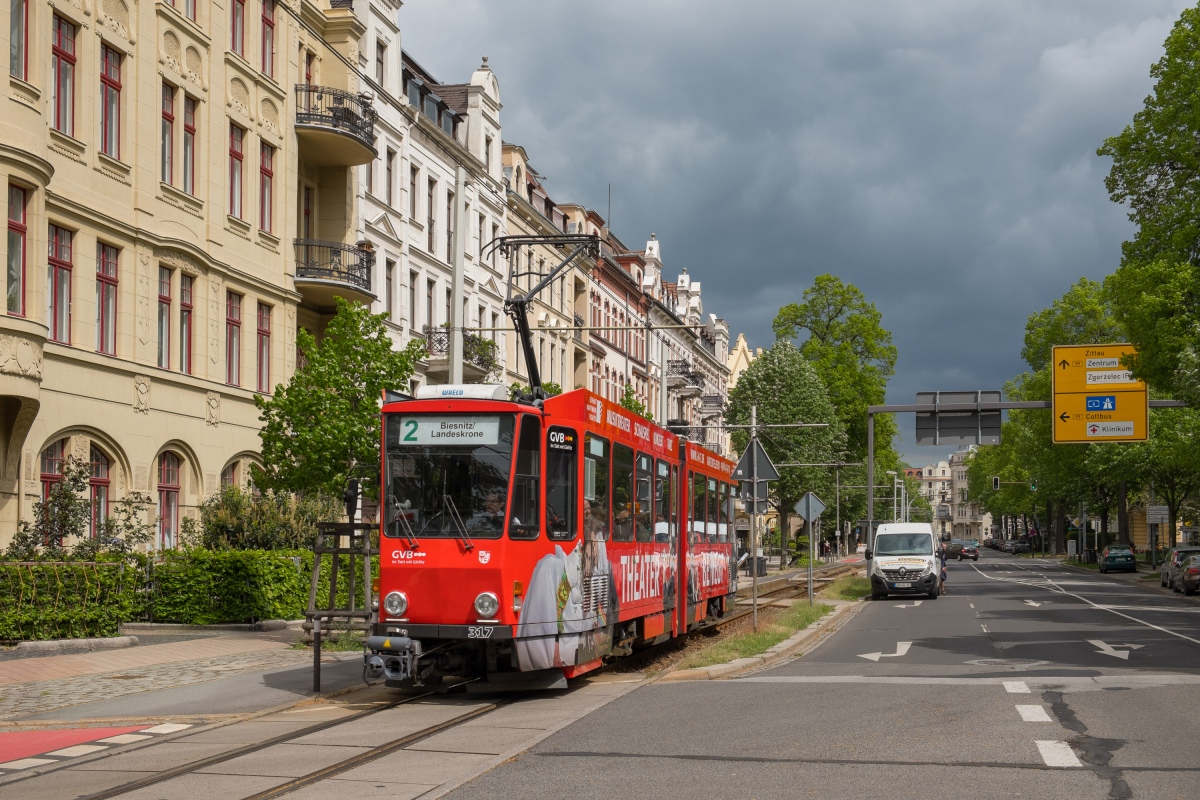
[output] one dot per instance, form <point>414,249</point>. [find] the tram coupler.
<point>392,657</point>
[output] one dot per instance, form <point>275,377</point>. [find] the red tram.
<point>523,543</point>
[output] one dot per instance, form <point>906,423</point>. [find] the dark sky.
<point>939,154</point>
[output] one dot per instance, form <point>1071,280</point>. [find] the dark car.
<point>1117,556</point>
<point>1173,564</point>
<point>1007,547</point>
<point>968,550</point>
<point>954,548</point>
<point>1189,576</point>
<point>1020,547</point>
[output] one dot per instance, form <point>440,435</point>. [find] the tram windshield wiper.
<point>447,503</point>
<point>405,528</point>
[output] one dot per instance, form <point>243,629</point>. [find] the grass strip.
<point>848,587</point>
<point>744,645</point>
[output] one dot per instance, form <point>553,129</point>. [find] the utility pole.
<point>754,518</point>
<point>459,246</point>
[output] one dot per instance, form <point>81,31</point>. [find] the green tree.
<point>784,388</point>
<point>324,426</point>
<point>1172,461</point>
<point>841,333</point>
<point>1156,173</point>
<point>629,401</point>
<point>64,515</point>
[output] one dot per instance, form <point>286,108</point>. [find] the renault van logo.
<point>903,572</point>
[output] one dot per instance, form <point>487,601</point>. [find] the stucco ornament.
<point>141,394</point>
<point>20,356</point>
<point>212,409</point>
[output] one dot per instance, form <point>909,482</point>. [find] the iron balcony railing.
<point>694,378</point>
<point>477,350</point>
<point>431,230</point>
<point>336,108</point>
<point>334,261</point>
<point>680,368</point>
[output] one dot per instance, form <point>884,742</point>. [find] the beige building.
<point>179,181</point>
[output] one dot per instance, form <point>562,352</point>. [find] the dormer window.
<point>412,88</point>
<point>431,107</point>
<point>449,118</point>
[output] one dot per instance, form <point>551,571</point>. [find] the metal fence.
<point>334,261</point>
<point>336,108</point>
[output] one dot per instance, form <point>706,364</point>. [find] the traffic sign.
<point>1157,515</point>
<point>1096,398</point>
<point>766,470</point>
<point>809,507</point>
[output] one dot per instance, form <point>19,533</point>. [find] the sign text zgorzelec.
<point>1096,398</point>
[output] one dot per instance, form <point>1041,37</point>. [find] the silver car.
<point>1169,575</point>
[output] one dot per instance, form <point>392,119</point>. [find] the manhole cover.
<point>1006,662</point>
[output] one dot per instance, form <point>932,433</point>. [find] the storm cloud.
<point>939,154</point>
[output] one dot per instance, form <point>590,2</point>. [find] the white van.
<point>904,560</point>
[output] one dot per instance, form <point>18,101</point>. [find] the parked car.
<point>1117,556</point>
<point>954,549</point>
<point>1189,575</point>
<point>968,550</point>
<point>1020,547</point>
<point>1173,565</point>
<point>1007,547</point>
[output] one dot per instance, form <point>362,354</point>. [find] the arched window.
<point>229,475</point>
<point>99,489</point>
<point>52,466</point>
<point>168,500</point>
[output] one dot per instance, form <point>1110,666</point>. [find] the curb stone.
<point>843,610</point>
<point>52,647</point>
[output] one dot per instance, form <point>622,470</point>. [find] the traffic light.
<point>1033,485</point>
<point>995,483</point>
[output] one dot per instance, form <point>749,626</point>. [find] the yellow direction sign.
<point>1096,399</point>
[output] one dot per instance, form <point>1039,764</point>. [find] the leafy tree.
<point>518,389</point>
<point>785,388</point>
<point>1156,173</point>
<point>629,401</point>
<point>234,519</point>
<point>1172,460</point>
<point>64,515</point>
<point>841,333</point>
<point>324,426</point>
<point>1081,316</point>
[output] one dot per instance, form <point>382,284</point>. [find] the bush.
<point>234,519</point>
<point>60,600</point>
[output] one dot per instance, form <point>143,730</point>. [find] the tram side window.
<point>664,509</point>
<point>673,505</point>
<point>712,510</point>
<point>595,488</point>
<point>723,514</point>
<point>561,484</point>
<point>523,519</point>
<point>644,499</point>
<point>622,505</point>
<point>696,529</point>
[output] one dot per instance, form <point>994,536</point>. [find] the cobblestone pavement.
<point>37,697</point>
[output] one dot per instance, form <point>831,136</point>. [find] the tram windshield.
<point>447,474</point>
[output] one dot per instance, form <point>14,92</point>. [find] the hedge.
<point>59,600</point>
<point>64,599</point>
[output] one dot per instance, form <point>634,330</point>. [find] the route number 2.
<point>410,431</point>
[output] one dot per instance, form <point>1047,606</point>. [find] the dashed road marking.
<point>26,763</point>
<point>1033,714</point>
<point>1057,754</point>
<point>125,738</point>
<point>972,605</point>
<point>1016,687</point>
<point>985,630</point>
<point>77,750</point>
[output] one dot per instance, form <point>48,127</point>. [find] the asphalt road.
<point>1025,680</point>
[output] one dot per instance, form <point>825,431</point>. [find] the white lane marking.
<point>125,738</point>
<point>1016,687</point>
<point>901,649</point>
<point>1110,649</point>
<point>1033,714</point>
<point>913,604</point>
<point>1054,587</point>
<point>1031,603</point>
<point>78,750</point>
<point>1156,609</point>
<point>1059,683</point>
<point>1058,754</point>
<point>985,630</point>
<point>26,763</point>
<point>972,605</point>
<point>167,727</point>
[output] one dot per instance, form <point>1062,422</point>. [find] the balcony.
<point>693,384</point>
<point>678,373</point>
<point>480,357</point>
<point>711,406</point>
<point>325,270</point>
<point>335,128</point>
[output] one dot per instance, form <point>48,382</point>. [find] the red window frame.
<point>18,237</point>
<point>106,298</point>
<point>268,38</point>
<point>168,499</point>
<point>237,27</point>
<point>168,134</point>
<point>98,485</point>
<point>164,317</point>
<point>237,136</point>
<point>189,9</point>
<point>110,86</point>
<point>185,324</point>
<point>59,260</point>
<point>62,50</point>
<point>233,339</point>
<point>189,145</point>
<point>264,348</point>
<point>266,186</point>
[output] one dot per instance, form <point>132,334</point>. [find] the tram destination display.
<point>450,429</point>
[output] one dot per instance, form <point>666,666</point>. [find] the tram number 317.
<point>479,632</point>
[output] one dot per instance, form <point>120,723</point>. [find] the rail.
<point>327,107</point>
<point>334,261</point>
<point>477,350</point>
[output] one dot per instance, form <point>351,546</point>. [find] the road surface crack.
<point>1096,752</point>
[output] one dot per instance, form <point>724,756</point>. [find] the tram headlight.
<point>486,605</point>
<point>395,604</point>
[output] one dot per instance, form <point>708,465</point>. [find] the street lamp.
<point>895,510</point>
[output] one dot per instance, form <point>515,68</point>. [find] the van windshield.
<point>903,544</point>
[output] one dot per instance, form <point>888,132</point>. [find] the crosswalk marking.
<point>1057,754</point>
<point>87,749</point>
<point>1033,714</point>
<point>1016,687</point>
